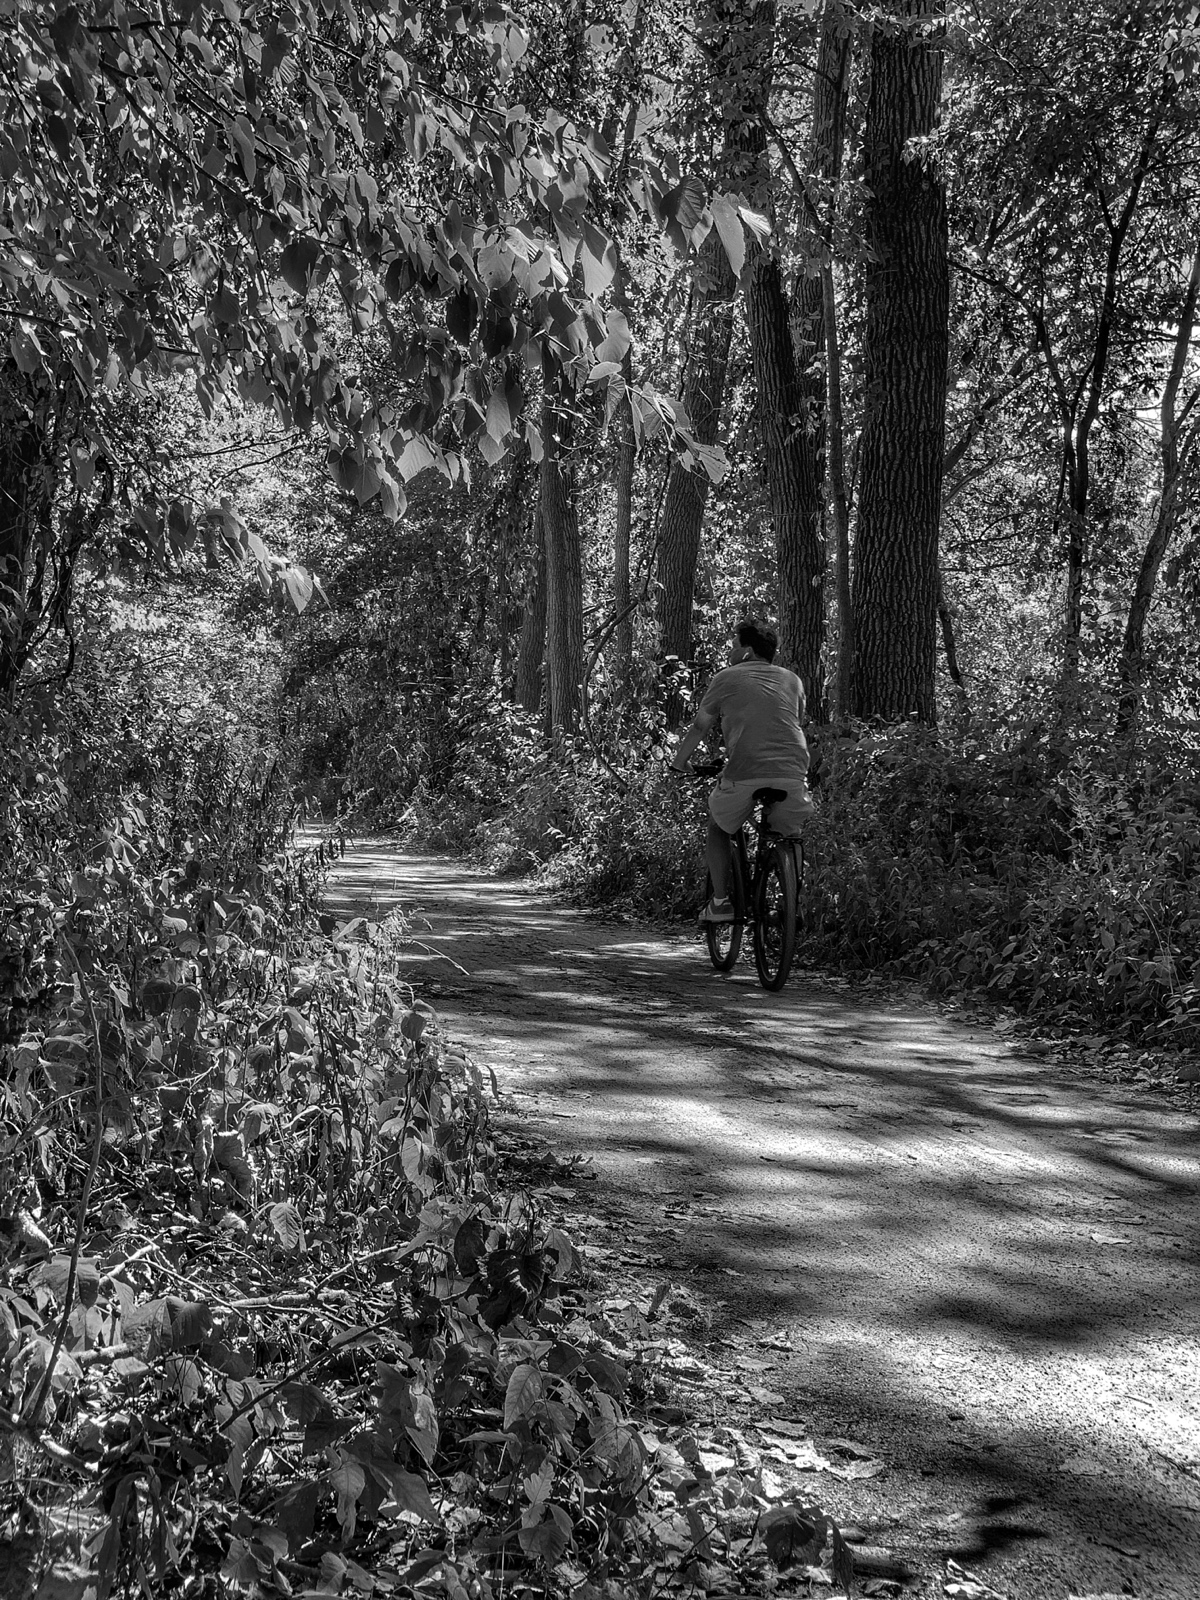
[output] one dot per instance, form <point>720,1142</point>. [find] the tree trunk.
<point>839,496</point>
<point>1174,462</point>
<point>905,350</point>
<point>946,618</point>
<point>626,465</point>
<point>741,39</point>
<point>710,327</point>
<point>800,545</point>
<point>531,651</point>
<point>26,499</point>
<point>788,407</point>
<point>790,428</point>
<point>564,572</point>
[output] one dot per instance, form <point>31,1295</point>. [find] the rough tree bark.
<point>905,347</point>
<point>791,444</point>
<point>1177,449</point>
<point>564,571</point>
<point>626,465</point>
<point>528,679</point>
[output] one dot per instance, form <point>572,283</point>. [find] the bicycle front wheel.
<point>775,916</point>
<point>725,938</point>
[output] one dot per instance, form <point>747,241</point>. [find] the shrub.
<point>987,856</point>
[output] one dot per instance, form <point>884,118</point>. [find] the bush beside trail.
<point>989,857</point>
<point>274,1318</point>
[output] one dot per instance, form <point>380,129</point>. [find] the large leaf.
<point>523,1394</point>
<point>684,205</point>
<point>166,1324</point>
<point>550,1539</point>
<point>412,1494</point>
<point>288,1225</point>
<point>599,260</point>
<point>729,227</point>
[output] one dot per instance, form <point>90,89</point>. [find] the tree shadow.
<point>916,1199</point>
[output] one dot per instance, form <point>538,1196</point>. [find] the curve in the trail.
<point>978,1262</point>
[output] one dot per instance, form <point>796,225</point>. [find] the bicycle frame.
<point>765,877</point>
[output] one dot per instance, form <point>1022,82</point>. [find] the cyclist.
<point>759,706</point>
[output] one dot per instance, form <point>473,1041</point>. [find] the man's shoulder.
<point>770,672</point>
<point>719,681</point>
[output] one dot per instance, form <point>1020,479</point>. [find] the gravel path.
<point>979,1264</point>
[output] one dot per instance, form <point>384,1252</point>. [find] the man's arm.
<point>691,738</point>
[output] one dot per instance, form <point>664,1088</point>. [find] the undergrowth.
<point>991,855</point>
<point>269,1324</point>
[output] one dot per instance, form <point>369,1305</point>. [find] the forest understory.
<point>400,403</point>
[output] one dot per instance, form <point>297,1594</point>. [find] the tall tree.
<point>732,33</point>
<point>906,342</point>
<point>529,675</point>
<point>787,342</point>
<point>622,598</point>
<point>564,569</point>
<point>1178,443</point>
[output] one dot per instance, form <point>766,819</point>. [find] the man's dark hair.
<point>757,636</point>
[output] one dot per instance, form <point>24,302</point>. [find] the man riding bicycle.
<point>759,706</point>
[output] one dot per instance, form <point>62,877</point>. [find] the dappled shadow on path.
<point>932,1218</point>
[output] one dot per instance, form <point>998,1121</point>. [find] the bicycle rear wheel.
<point>775,916</point>
<point>724,939</point>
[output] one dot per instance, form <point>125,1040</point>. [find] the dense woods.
<point>398,403</point>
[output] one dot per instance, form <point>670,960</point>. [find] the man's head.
<point>754,638</point>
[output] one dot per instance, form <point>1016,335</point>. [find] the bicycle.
<point>767,897</point>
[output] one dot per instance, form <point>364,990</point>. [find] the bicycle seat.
<point>770,797</point>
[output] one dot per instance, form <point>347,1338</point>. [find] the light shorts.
<point>730,803</point>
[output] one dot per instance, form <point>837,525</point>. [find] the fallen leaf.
<point>855,1470</point>
<point>802,1454</point>
<point>862,1452</point>
<point>765,1397</point>
<point>789,1430</point>
<point>964,1585</point>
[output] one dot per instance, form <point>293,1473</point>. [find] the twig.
<point>104,1353</point>
<point>50,1447</point>
<point>350,1266</point>
<point>283,1305</point>
<point>31,1421</point>
<point>344,1342</point>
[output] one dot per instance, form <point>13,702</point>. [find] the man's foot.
<point>717,910</point>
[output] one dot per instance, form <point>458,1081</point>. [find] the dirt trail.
<point>976,1263</point>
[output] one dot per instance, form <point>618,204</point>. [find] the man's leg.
<point>719,864</point>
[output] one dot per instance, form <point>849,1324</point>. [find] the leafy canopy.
<point>195,189</point>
